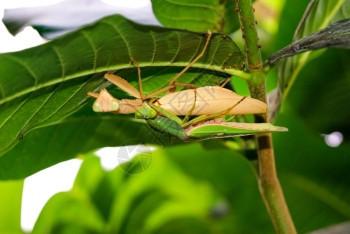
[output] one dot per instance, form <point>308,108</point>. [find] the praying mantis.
<point>210,104</point>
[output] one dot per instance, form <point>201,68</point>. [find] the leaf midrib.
<point>230,71</point>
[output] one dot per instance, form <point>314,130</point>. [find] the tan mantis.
<point>209,102</point>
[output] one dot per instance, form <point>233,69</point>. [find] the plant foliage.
<point>201,187</point>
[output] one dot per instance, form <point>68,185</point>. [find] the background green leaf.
<point>315,186</point>
<point>321,94</point>
<point>217,16</point>
<point>210,190</point>
<point>314,176</point>
<point>10,203</point>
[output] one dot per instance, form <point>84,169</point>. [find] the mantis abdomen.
<point>164,124</point>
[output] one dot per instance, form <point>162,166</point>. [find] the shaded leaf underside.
<point>77,134</point>
<point>217,16</point>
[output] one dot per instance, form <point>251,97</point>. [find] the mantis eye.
<point>105,102</point>
<point>96,107</point>
<point>113,105</point>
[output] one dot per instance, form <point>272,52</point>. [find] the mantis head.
<point>105,102</point>
<point>145,112</point>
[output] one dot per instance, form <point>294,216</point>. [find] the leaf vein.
<point>30,71</point>
<point>195,54</point>
<point>14,112</point>
<point>60,58</point>
<point>25,125</point>
<point>201,20</point>
<point>191,5</point>
<point>88,38</point>
<point>2,91</point>
<point>178,48</point>
<point>128,47</point>
<point>63,104</point>
<point>213,55</point>
<point>154,46</point>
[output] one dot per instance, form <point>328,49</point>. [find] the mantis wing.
<point>209,100</point>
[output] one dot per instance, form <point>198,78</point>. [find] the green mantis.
<point>210,104</point>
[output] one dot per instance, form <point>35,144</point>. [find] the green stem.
<point>249,34</point>
<point>269,185</point>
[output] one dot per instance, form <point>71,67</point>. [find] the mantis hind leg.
<point>139,77</point>
<point>172,85</point>
<point>172,81</point>
<point>211,116</point>
<point>163,112</point>
<point>192,108</point>
<point>167,88</point>
<point>225,82</point>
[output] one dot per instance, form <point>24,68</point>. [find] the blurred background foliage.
<point>207,187</point>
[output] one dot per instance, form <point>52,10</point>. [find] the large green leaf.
<point>41,108</point>
<point>217,16</point>
<point>42,85</point>
<point>108,45</point>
